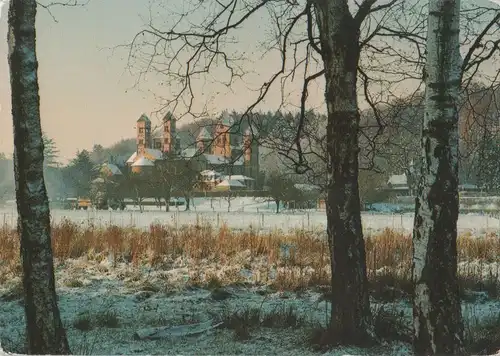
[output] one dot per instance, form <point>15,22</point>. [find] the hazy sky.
<point>84,88</point>
<point>86,94</point>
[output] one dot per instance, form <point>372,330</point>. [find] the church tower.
<point>169,134</point>
<point>222,136</point>
<point>143,139</point>
<point>251,153</point>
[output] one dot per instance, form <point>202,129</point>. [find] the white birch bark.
<point>436,307</point>
<point>45,332</point>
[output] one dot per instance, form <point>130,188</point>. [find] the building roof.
<point>397,179</point>
<point>131,158</point>
<point>238,177</point>
<point>230,183</point>
<point>110,168</point>
<point>156,154</point>
<point>168,116</point>
<point>144,118</point>
<point>143,162</point>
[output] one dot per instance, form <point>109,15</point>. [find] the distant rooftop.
<point>143,118</point>
<point>168,116</point>
<point>143,162</point>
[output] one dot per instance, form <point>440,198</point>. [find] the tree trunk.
<point>277,201</point>
<point>167,203</point>
<point>437,319</point>
<point>45,331</point>
<point>188,201</point>
<point>139,200</point>
<point>339,35</point>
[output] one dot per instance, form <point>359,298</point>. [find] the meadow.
<point>212,290</point>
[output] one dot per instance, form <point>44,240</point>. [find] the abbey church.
<point>223,147</point>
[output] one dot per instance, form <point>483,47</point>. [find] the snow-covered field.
<point>135,299</point>
<point>246,212</point>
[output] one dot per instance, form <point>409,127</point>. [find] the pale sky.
<point>86,93</point>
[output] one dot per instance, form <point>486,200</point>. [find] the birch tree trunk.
<point>45,331</point>
<point>339,36</point>
<point>437,319</point>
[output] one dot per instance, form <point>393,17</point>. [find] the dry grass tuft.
<point>243,321</point>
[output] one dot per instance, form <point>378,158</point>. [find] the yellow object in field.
<point>84,203</point>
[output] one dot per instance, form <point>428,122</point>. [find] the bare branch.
<point>69,3</point>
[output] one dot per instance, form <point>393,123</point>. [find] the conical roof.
<point>143,118</point>
<point>168,116</point>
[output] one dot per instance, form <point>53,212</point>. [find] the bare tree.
<point>229,195</point>
<point>280,187</point>
<point>45,332</point>
<point>139,184</point>
<point>162,181</point>
<point>437,319</point>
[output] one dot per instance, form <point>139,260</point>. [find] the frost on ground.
<point>111,304</point>
<point>103,305</point>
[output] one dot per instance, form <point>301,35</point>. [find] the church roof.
<point>143,162</point>
<point>144,118</point>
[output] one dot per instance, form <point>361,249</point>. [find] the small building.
<point>209,179</point>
